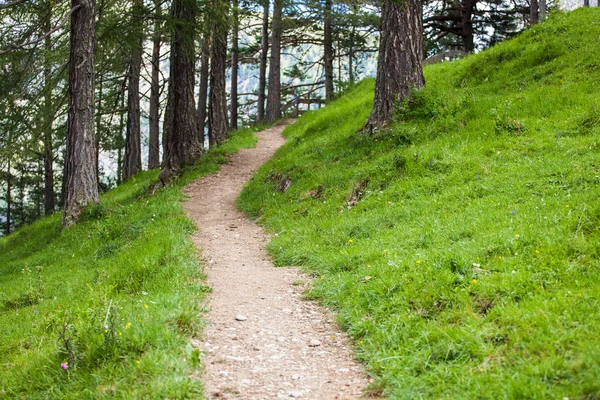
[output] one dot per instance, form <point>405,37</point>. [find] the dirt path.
<point>262,340</point>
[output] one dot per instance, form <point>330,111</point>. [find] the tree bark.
<point>234,66</point>
<point>49,204</point>
<point>400,63</point>
<point>274,95</point>
<point>181,122</point>
<point>264,52</point>
<point>217,107</point>
<point>8,199</point>
<point>203,92</point>
<point>154,112</point>
<point>133,141</point>
<point>466,16</point>
<point>328,50</point>
<point>82,187</point>
<point>533,12</point>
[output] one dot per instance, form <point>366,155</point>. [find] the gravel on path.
<point>262,340</point>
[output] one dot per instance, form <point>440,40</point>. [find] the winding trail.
<point>262,340</point>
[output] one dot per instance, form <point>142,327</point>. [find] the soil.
<point>262,340</point>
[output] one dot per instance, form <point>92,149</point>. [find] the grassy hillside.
<point>105,309</point>
<point>460,247</point>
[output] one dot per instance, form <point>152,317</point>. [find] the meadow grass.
<point>115,298</point>
<point>460,246</point>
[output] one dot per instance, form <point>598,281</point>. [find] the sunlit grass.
<point>114,299</point>
<point>461,246</point>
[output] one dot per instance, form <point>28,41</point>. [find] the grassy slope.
<point>470,266</point>
<point>131,282</point>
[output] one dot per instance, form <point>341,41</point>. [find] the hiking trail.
<point>262,340</point>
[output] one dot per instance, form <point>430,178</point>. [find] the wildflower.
<point>89,236</point>
<point>64,366</point>
<point>128,325</point>
<point>137,361</point>
<point>145,305</point>
<point>350,241</point>
<point>474,281</point>
<point>418,261</point>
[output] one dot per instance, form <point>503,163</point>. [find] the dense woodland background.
<point>167,79</point>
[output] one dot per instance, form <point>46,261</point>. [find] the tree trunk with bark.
<point>264,53</point>
<point>533,12</point>
<point>48,119</point>
<point>82,187</point>
<point>133,141</point>
<point>181,122</point>
<point>466,22</point>
<point>400,63</point>
<point>8,199</point>
<point>154,112</point>
<point>203,92</point>
<point>217,107</point>
<point>274,94</point>
<point>234,66</point>
<point>328,50</point>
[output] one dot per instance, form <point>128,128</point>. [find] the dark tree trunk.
<point>181,122</point>
<point>234,66</point>
<point>264,52</point>
<point>217,107</point>
<point>133,141</point>
<point>82,186</point>
<point>400,63</point>
<point>120,138</point>
<point>274,95</point>
<point>533,12</point>
<point>328,50</point>
<point>466,16</point>
<point>203,92</point>
<point>48,118</point>
<point>154,112</point>
<point>586,3</point>
<point>8,199</point>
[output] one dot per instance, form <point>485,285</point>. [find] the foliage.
<point>106,308</point>
<point>466,263</point>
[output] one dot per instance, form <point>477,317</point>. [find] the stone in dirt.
<point>315,343</point>
<point>240,317</point>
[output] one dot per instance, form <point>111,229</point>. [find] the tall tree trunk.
<point>48,118</point>
<point>8,199</point>
<point>351,52</point>
<point>586,3</point>
<point>203,92</point>
<point>154,112</point>
<point>181,122</point>
<point>466,15</point>
<point>274,95</point>
<point>543,9</point>
<point>234,66</point>
<point>133,141</point>
<point>217,107</point>
<point>328,50</point>
<point>264,53</point>
<point>533,12</point>
<point>82,187</point>
<point>120,138</point>
<point>400,63</point>
<point>98,110</point>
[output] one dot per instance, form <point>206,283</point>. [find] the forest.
<point>313,199</point>
<point>228,64</point>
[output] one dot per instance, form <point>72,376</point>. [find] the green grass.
<point>461,246</point>
<point>117,296</point>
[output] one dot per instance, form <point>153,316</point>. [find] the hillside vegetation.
<point>461,246</point>
<point>105,309</point>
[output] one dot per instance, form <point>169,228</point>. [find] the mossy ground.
<point>461,246</point>
<point>116,297</point>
